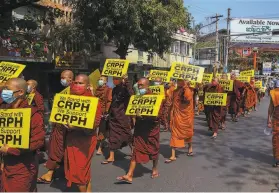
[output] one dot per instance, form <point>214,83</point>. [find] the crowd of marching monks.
<point>112,128</point>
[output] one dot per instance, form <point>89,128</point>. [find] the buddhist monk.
<point>181,118</point>
<point>80,143</point>
<point>273,121</point>
<point>104,93</point>
<point>38,100</point>
<point>146,139</point>
<point>252,83</point>
<point>201,99</point>
<point>214,112</point>
<point>57,139</point>
<point>249,97</point>
<point>120,125</point>
<point>225,108</point>
<point>20,167</point>
<point>235,98</point>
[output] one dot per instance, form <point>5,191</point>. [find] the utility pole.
<point>217,38</point>
<point>227,41</point>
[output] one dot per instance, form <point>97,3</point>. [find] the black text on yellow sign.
<point>30,98</point>
<point>146,105</point>
<point>186,72</point>
<point>74,110</point>
<point>226,84</point>
<point>258,84</point>
<point>207,78</point>
<point>164,75</point>
<point>158,90</point>
<point>10,70</point>
<point>244,79</point>
<point>215,99</point>
<point>15,127</point>
<point>250,73</point>
<point>115,67</point>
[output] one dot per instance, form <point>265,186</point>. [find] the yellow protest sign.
<point>186,72</point>
<point>158,90</point>
<point>145,105</point>
<point>258,84</point>
<point>115,67</point>
<point>192,84</point>
<point>10,70</point>
<point>250,73</point>
<point>226,84</point>
<point>78,111</point>
<point>223,76</point>
<point>200,93</point>
<point>263,89</point>
<point>215,99</point>
<point>65,91</point>
<point>93,78</point>
<point>15,127</point>
<point>164,75</point>
<point>243,78</point>
<point>207,78</point>
<point>30,98</point>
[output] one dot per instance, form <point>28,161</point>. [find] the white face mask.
<point>29,89</point>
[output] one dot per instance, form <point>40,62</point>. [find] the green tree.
<point>146,24</point>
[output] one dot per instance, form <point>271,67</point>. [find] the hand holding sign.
<point>4,149</point>
<point>124,78</point>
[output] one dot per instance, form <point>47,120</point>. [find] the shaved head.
<point>83,77</point>
<point>32,83</point>
<point>68,73</point>
<point>158,79</point>
<point>144,81</point>
<point>17,83</point>
<point>67,76</point>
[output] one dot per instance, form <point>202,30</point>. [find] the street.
<point>239,159</point>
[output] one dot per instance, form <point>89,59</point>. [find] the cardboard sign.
<point>78,111</point>
<point>10,70</point>
<point>243,78</point>
<point>164,75</point>
<point>158,90</point>
<point>221,76</point>
<point>186,72</point>
<point>30,98</point>
<point>250,73</point>
<point>258,84</point>
<point>215,99</point>
<point>145,105</point>
<point>15,127</point>
<point>207,78</point>
<point>65,91</point>
<point>226,84</point>
<point>115,67</point>
<point>93,78</point>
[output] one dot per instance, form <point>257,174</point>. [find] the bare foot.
<point>155,174</point>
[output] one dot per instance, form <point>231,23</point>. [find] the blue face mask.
<point>8,96</point>
<point>101,83</point>
<point>142,91</point>
<point>157,83</point>
<point>64,82</point>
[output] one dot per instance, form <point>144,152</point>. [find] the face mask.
<point>29,89</point>
<point>64,82</point>
<point>77,89</point>
<point>142,91</point>
<point>157,83</point>
<point>8,96</point>
<point>101,83</point>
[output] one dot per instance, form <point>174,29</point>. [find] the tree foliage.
<point>146,24</point>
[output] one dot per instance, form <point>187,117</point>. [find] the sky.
<point>200,9</point>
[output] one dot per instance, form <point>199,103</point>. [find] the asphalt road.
<point>239,159</point>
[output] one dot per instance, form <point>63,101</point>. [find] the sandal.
<point>106,162</point>
<point>168,161</point>
<point>123,179</point>
<point>191,154</point>
<point>43,181</point>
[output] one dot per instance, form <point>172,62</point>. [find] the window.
<point>176,47</point>
<point>183,48</point>
<point>188,49</point>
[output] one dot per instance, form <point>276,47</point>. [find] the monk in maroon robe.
<point>146,139</point>
<point>80,143</point>
<point>56,142</point>
<point>120,125</point>
<point>235,98</point>
<point>38,100</point>
<point>20,168</point>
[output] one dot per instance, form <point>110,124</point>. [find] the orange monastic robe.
<point>275,123</point>
<point>182,117</point>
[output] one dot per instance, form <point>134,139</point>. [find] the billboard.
<point>245,26</point>
<point>267,68</point>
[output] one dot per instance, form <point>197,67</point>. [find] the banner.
<point>226,84</point>
<point>93,79</point>
<point>186,72</point>
<point>250,73</point>
<point>207,78</point>
<point>164,75</point>
<point>115,67</point>
<point>65,91</point>
<point>158,90</point>
<point>10,70</point>
<point>146,105</point>
<point>215,99</point>
<point>258,84</point>
<point>244,78</point>
<point>30,98</point>
<point>78,111</point>
<point>15,127</point>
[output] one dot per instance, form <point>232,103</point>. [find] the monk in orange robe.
<point>104,93</point>
<point>181,118</point>
<point>38,100</point>
<point>201,99</point>
<point>20,168</point>
<point>146,139</point>
<point>80,143</point>
<point>249,97</point>
<point>56,147</point>
<point>273,121</point>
